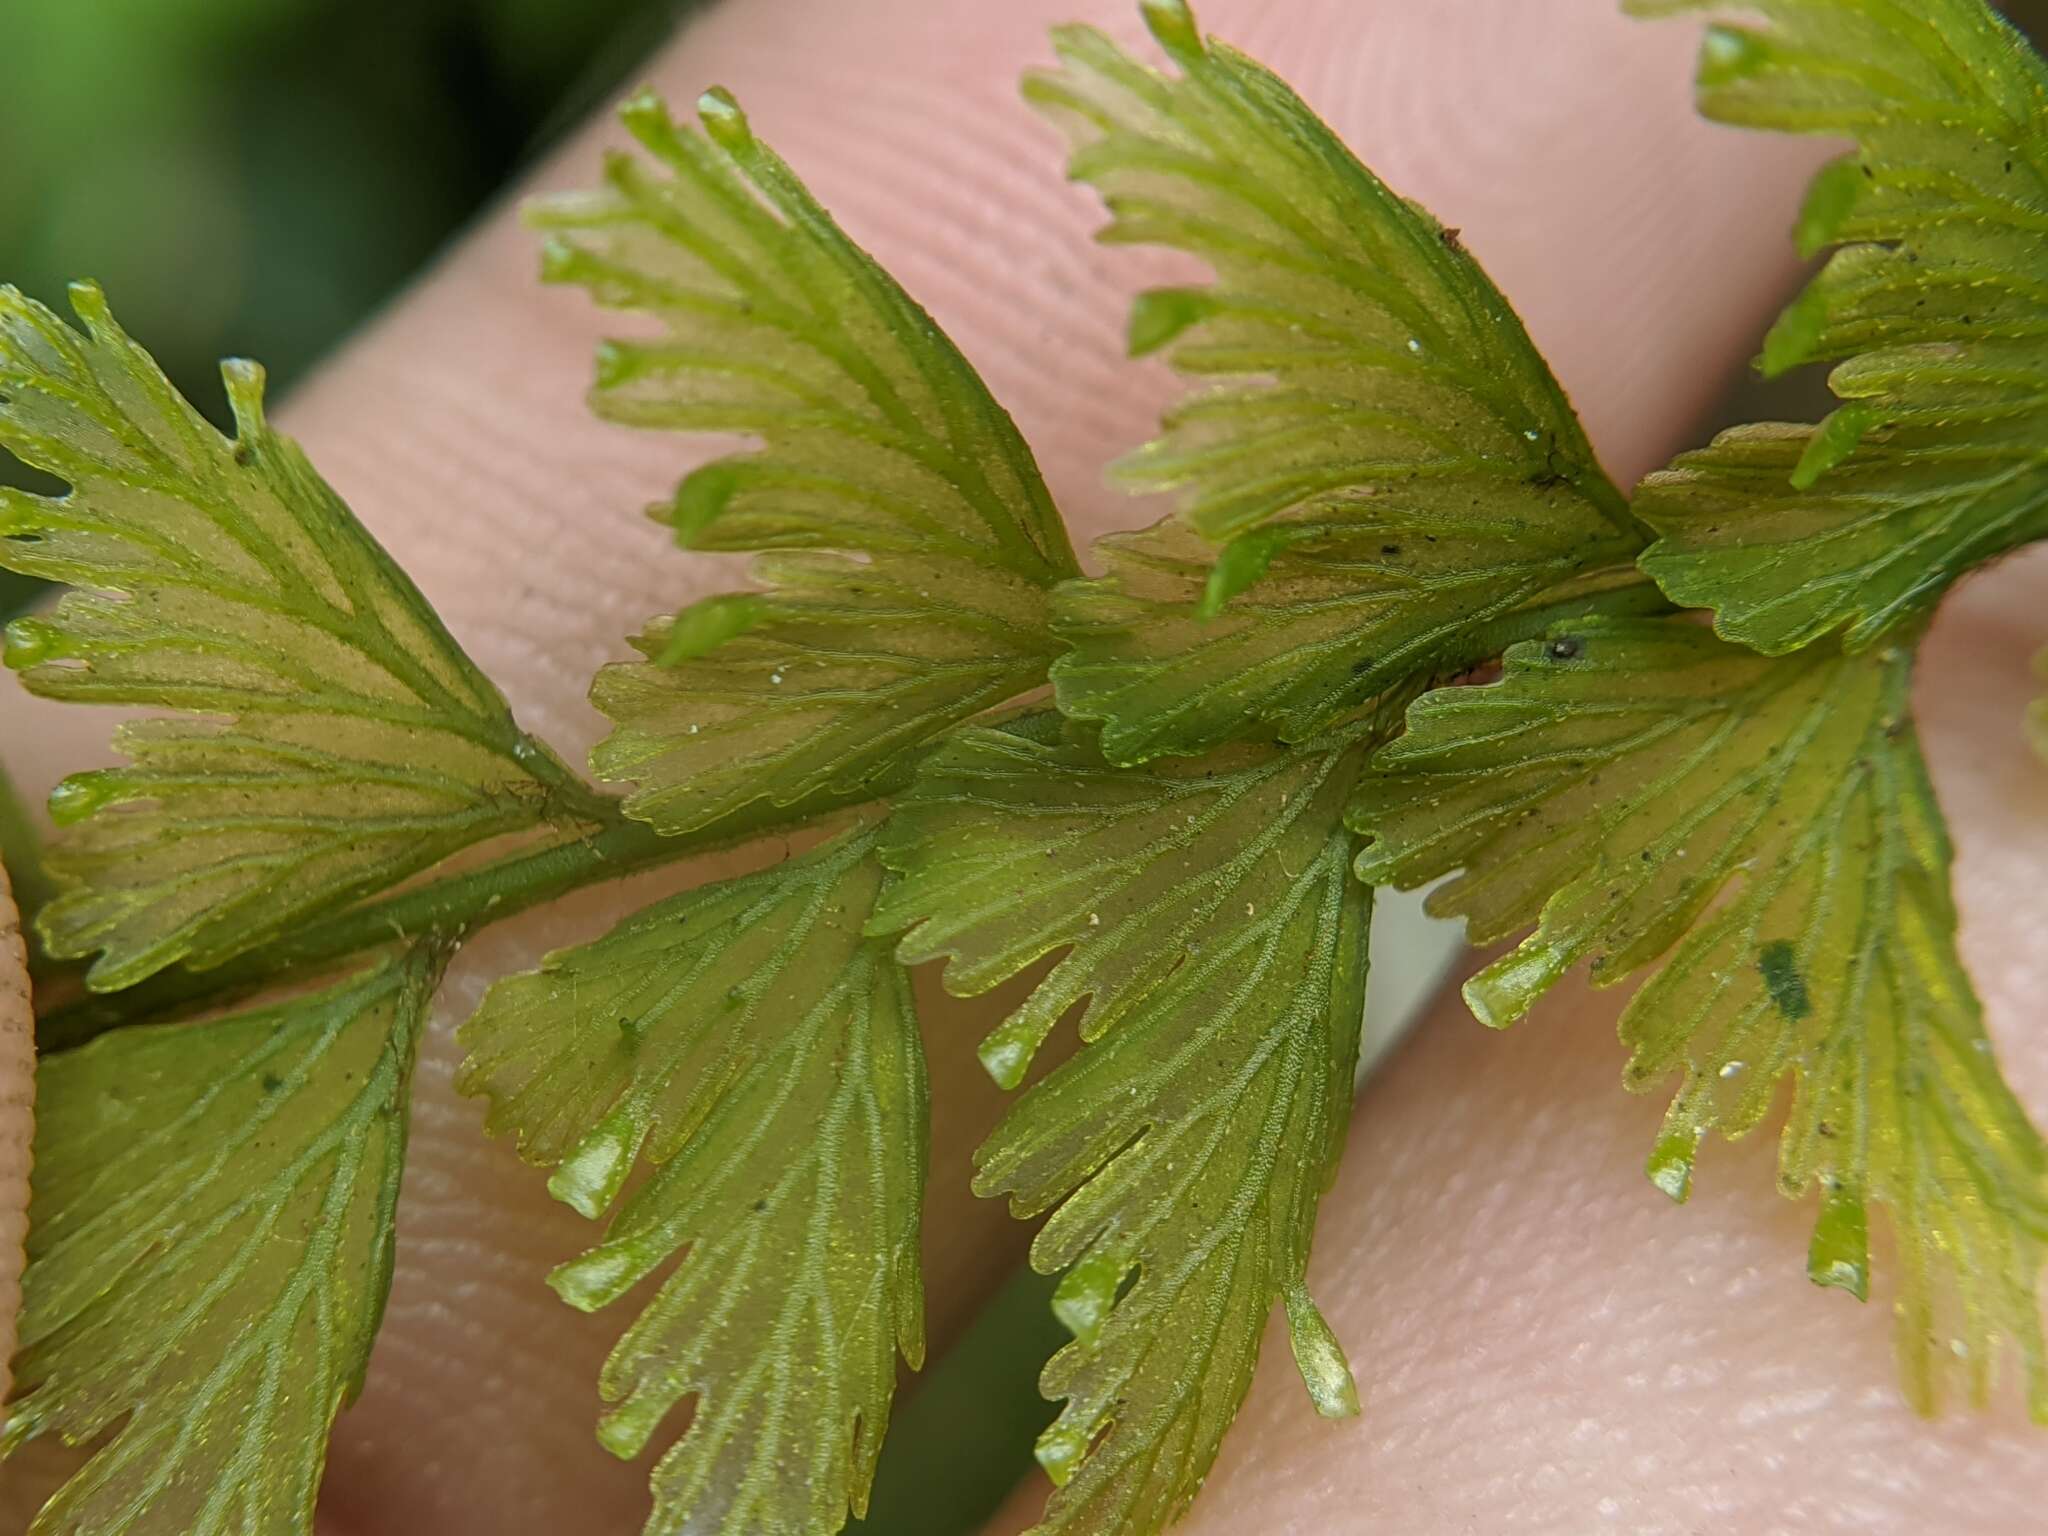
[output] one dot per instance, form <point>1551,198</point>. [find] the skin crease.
<point>1544,1345</point>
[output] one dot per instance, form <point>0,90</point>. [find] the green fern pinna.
<point>1697,769</point>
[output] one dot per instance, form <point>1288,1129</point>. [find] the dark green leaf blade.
<point>211,1252</point>
<point>1760,833</point>
<point>335,740</point>
<point>763,1056</point>
<point>1378,450</point>
<point>905,540</point>
<point>1211,924</point>
<point>1935,311</point>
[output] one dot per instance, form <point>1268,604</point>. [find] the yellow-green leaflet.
<point>1378,460</point>
<point>904,542</point>
<point>1935,311</point>
<point>1758,832</point>
<point>1209,918</point>
<point>210,1254</point>
<point>763,1056</point>
<point>337,740</point>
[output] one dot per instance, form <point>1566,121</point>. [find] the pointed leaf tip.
<point>244,380</point>
<point>28,643</point>
<point>1320,1358</point>
<point>593,1281</point>
<point>89,303</point>
<point>1173,24</point>
<point>703,627</point>
<point>702,496</point>
<point>1242,562</point>
<point>1060,1451</point>
<point>1671,1161</point>
<point>594,1171</point>
<point>1159,315</point>
<point>80,796</point>
<point>643,109</point>
<point>1087,1294</point>
<point>1729,54</point>
<point>1797,331</point>
<point>1006,1053</point>
<point>719,110</point>
<point>1839,1256</point>
<point>1832,442</point>
<point>1829,202</point>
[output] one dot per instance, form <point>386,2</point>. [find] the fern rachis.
<point>1172,785</point>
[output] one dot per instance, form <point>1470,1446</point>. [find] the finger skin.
<point>1559,139</point>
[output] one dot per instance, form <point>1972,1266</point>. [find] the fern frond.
<point>904,541</point>
<point>1212,926</point>
<point>763,1056</point>
<point>334,741</point>
<point>1760,833</point>
<point>210,1254</point>
<point>1935,311</point>
<point>1378,452</point>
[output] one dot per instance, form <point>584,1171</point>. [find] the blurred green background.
<point>255,176</point>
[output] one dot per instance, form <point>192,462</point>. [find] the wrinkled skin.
<point>1546,1346</point>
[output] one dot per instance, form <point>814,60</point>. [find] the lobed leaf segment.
<point>1379,487</point>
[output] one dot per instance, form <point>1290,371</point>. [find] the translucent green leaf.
<point>210,1254</point>
<point>1211,924</point>
<point>764,1057</point>
<point>1935,310</point>
<point>1760,834</point>
<point>904,538</point>
<point>1378,458</point>
<point>1012,847</point>
<point>336,741</point>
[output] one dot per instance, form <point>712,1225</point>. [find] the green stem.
<point>453,907</point>
<point>1618,591</point>
<point>457,905</point>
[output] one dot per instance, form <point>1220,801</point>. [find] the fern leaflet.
<point>906,542</point>
<point>764,1057</point>
<point>1935,310</point>
<point>1380,453</point>
<point>1650,796</point>
<point>1210,921</point>
<point>210,1254</point>
<point>335,740</point>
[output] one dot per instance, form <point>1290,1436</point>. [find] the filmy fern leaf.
<point>1211,922</point>
<point>1760,832</point>
<point>1382,456</point>
<point>764,1057</point>
<point>210,1254</point>
<point>1935,310</point>
<point>336,741</point>
<point>906,542</point>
